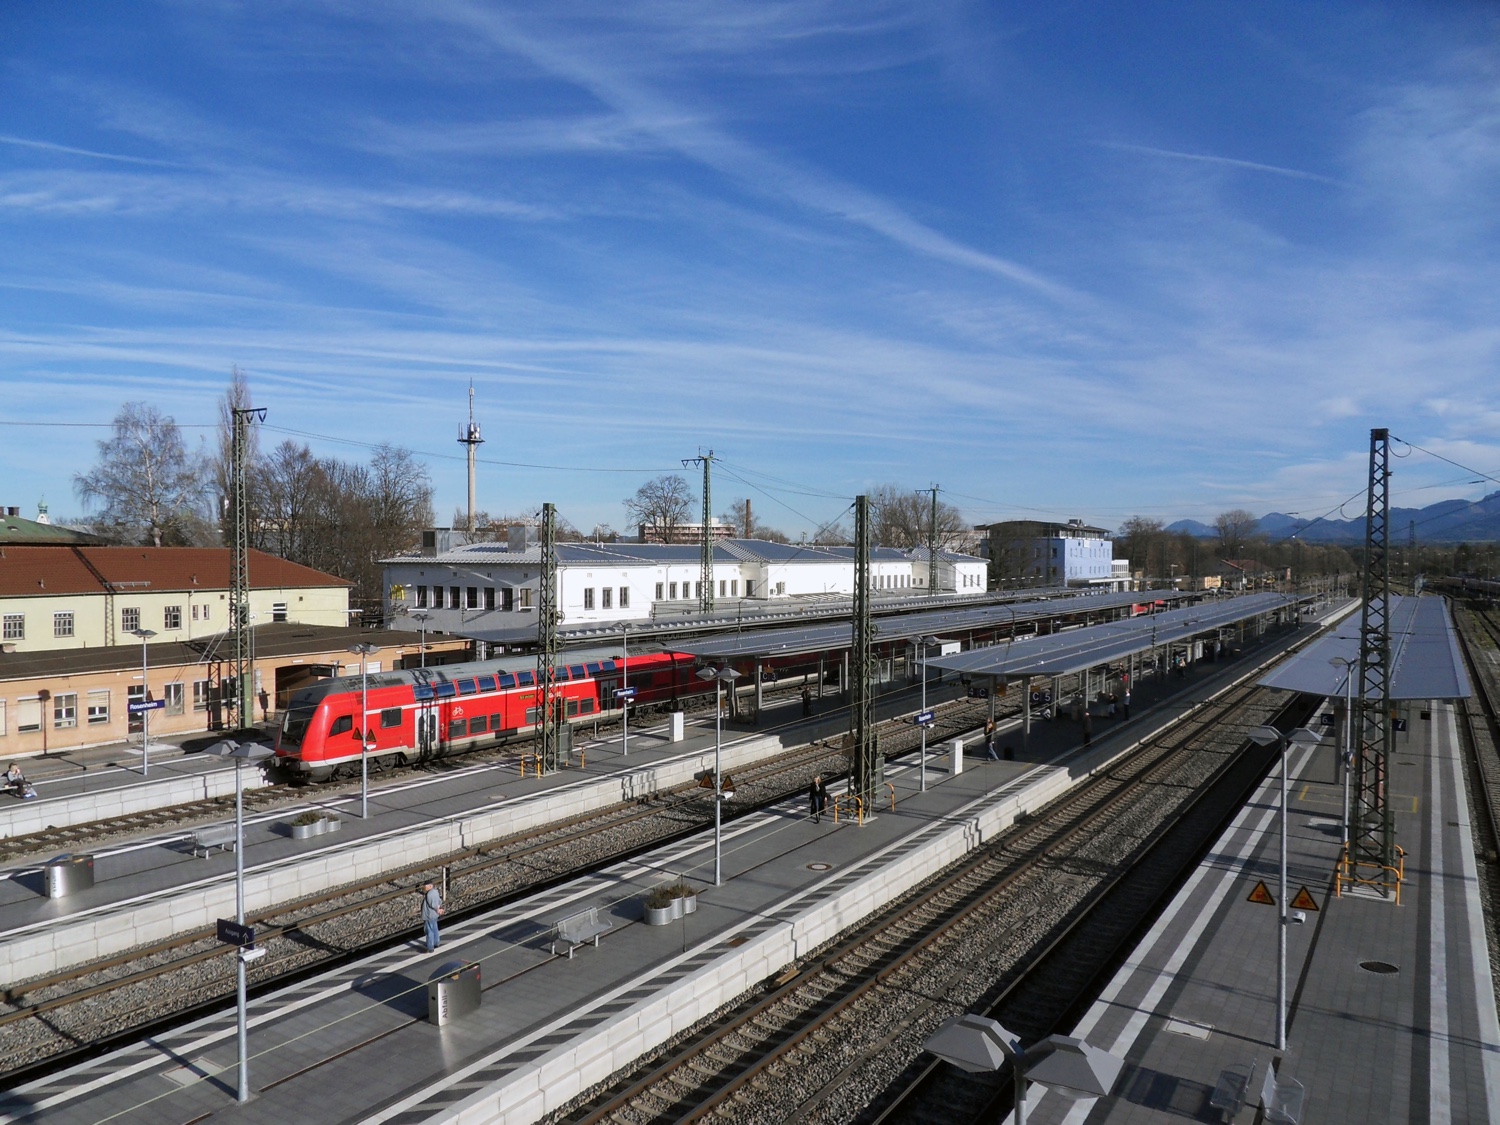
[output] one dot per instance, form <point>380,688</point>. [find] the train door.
<point>427,729</point>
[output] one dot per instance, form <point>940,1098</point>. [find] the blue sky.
<point>1084,260</point>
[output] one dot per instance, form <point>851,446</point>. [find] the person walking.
<point>806,702</point>
<point>817,798</point>
<point>989,741</point>
<point>432,910</point>
<point>1088,727</point>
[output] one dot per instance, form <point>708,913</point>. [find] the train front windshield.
<point>293,727</point>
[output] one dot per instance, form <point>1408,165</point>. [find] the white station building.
<point>487,588</point>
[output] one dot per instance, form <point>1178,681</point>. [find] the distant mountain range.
<point>1447,521</point>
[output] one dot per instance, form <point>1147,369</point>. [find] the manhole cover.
<point>1384,967</point>
<point>820,866</point>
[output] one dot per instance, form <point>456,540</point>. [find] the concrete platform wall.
<point>19,818</point>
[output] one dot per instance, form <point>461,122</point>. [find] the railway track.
<point>1479,719</point>
<point>85,1009</point>
<point>1027,923</point>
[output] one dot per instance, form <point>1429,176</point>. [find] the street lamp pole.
<point>1269,736</point>
<point>241,753</point>
<point>1347,750</point>
<point>421,617</point>
<point>925,642</point>
<point>145,635</point>
<point>364,649</point>
<point>720,676</point>
<point>625,683</point>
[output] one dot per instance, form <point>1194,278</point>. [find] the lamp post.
<point>241,753</point>
<point>1069,1067</point>
<point>145,635</point>
<point>1270,736</point>
<point>421,617</point>
<point>720,676</point>
<point>926,642</point>
<point>364,649</point>
<point>625,684</point>
<point>1346,755</point>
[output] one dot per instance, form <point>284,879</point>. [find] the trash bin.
<point>452,992</point>
<point>68,874</point>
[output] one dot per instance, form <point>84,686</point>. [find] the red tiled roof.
<point>86,570</point>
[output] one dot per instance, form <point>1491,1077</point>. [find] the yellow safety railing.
<point>892,788</point>
<point>850,803</point>
<point>1349,876</point>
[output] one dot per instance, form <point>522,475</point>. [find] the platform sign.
<point>1261,894</point>
<point>1398,724</point>
<point>232,933</point>
<point>1303,900</point>
<point>1326,720</point>
<point>979,693</point>
<point>625,694</point>
<point>135,707</point>
<point>925,718</point>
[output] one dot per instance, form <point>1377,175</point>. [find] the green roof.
<point>18,532</point>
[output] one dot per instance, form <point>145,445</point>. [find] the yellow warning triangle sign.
<point>1304,900</point>
<point>1262,894</point>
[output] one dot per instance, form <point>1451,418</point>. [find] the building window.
<point>62,624</point>
<point>734,587</point>
<point>13,627</point>
<point>98,708</point>
<point>130,620</point>
<point>28,715</point>
<point>658,591</point>
<point>674,591</point>
<point>606,598</point>
<point>278,611</point>
<point>723,585</point>
<point>200,695</point>
<point>64,711</point>
<point>588,597</point>
<point>2,718</point>
<point>526,593</point>
<point>172,693</point>
<point>453,602</point>
<point>624,597</point>
<point>781,587</point>
<point>195,611</point>
<point>421,597</point>
<point>471,598</point>
<point>205,612</point>
<point>171,617</point>
<point>507,599</point>
<point>489,597</point>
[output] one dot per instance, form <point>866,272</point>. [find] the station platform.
<point>1391,1009</point>
<point>354,1044</point>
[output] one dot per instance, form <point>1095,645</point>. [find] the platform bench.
<point>578,929</point>
<point>214,836</point>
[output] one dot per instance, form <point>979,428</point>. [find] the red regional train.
<point>421,714</point>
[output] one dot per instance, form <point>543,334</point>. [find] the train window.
<point>444,690</point>
<point>421,691</point>
<point>466,687</point>
<point>572,708</point>
<point>486,683</point>
<point>577,671</point>
<point>594,668</point>
<point>478,724</point>
<point>507,680</point>
<point>533,714</point>
<point>390,717</point>
<point>585,706</point>
<point>559,674</point>
<point>525,678</point>
<point>342,725</point>
<point>495,723</point>
<point>457,728</point>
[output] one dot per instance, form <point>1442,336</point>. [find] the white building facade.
<point>1063,554</point>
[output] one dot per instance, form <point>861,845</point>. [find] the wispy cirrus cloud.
<point>1220,161</point>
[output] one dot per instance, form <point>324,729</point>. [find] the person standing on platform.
<point>1088,727</point>
<point>1126,703</point>
<point>432,910</point>
<point>989,741</point>
<point>806,702</point>
<point>817,798</point>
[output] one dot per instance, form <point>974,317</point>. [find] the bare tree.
<point>900,517</point>
<point>151,488</point>
<point>1235,527</point>
<point>661,505</point>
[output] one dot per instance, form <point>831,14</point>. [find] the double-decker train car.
<point>421,714</point>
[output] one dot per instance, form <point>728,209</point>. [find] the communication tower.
<point>469,436</point>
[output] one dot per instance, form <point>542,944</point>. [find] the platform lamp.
<point>720,676</point>
<point>363,734</point>
<point>926,643</point>
<point>625,686</point>
<point>1270,736</point>
<point>145,635</point>
<point>1347,750</point>
<point>422,617</point>
<point>241,752</point>
<point>1069,1067</point>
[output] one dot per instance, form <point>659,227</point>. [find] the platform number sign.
<point>233,933</point>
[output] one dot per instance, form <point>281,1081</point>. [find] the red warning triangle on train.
<point>1304,900</point>
<point>1261,894</point>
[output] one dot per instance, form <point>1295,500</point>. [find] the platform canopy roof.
<point>1077,649</point>
<point>1425,661</point>
<point>833,636</point>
